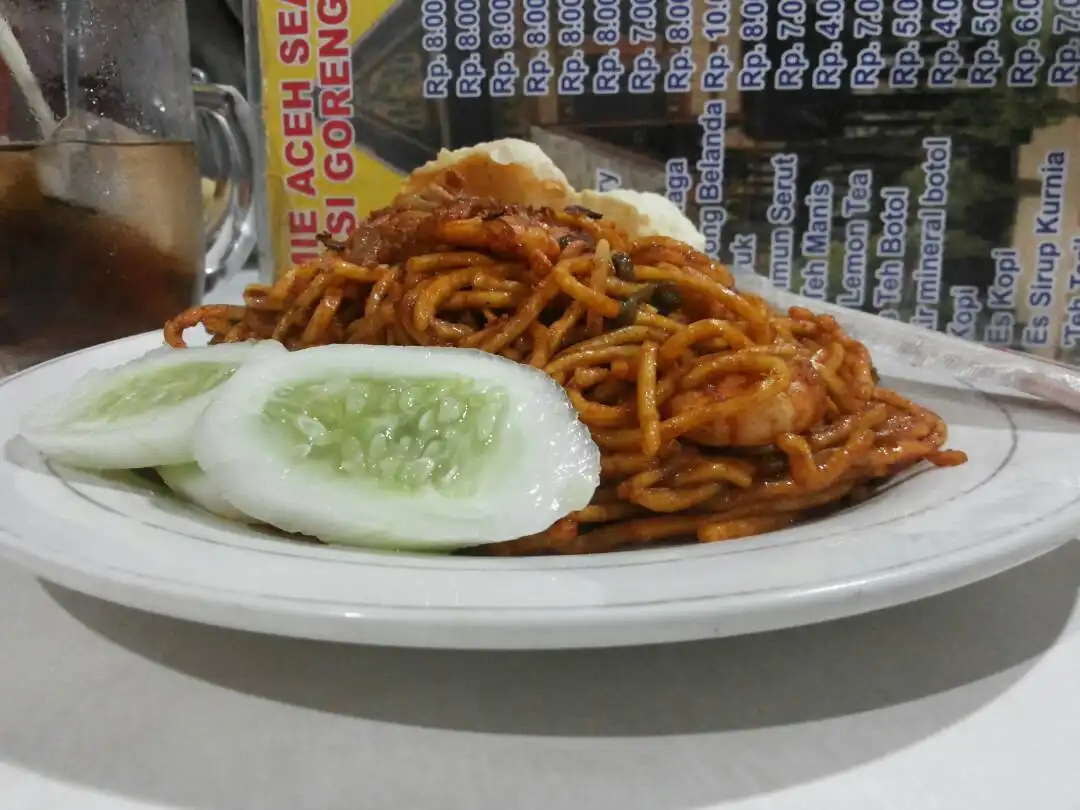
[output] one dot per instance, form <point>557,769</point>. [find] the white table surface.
<point>968,701</point>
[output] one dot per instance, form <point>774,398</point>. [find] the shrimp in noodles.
<point>796,410</point>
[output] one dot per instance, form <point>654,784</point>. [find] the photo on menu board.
<point>910,158</point>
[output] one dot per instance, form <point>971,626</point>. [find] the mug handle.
<point>225,110</point>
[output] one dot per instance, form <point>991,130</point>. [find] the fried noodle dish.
<point>717,417</point>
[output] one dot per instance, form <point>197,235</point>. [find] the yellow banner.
<point>320,175</point>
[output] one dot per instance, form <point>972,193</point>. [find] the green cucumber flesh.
<point>402,435</point>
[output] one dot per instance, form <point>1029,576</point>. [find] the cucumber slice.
<point>398,447</point>
<point>190,483</point>
<point>140,414</point>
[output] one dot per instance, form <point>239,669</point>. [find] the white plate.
<point>1018,497</point>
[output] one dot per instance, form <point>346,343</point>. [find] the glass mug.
<point>125,177</point>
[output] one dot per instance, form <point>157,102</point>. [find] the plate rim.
<point>577,628</point>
